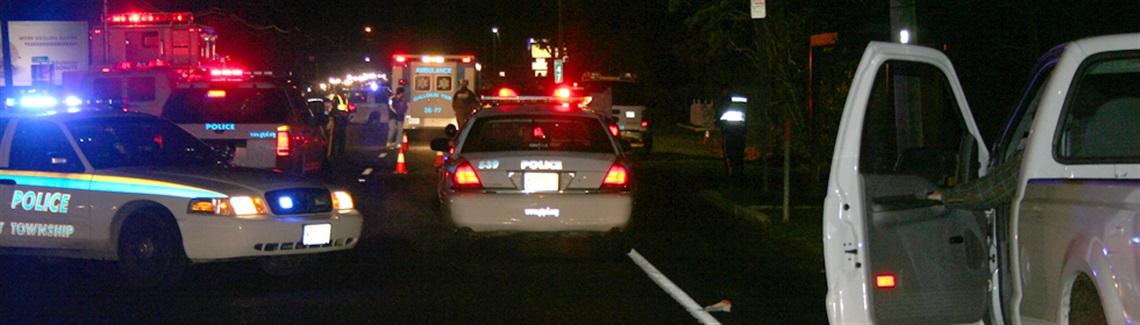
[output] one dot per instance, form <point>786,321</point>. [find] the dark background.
<point>674,45</point>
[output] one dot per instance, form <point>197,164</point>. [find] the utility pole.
<point>904,30</point>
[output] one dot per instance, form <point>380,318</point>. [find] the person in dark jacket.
<point>396,112</point>
<point>464,102</point>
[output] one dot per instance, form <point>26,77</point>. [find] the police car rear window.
<point>228,105</point>
<point>530,133</point>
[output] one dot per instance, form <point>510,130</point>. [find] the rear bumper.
<point>554,212</point>
<point>636,138</point>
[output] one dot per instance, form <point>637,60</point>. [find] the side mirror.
<point>451,131</point>
<point>441,144</point>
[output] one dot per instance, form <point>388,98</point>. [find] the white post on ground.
<point>787,168</point>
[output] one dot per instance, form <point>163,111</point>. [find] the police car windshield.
<point>113,142</point>
<point>227,105</point>
<point>531,133</point>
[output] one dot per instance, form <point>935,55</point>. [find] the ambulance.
<point>429,82</point>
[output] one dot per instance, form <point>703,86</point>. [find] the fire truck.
<point>429,82</point>
<point>140,39</point>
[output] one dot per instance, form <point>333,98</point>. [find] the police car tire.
<point>150,250</point>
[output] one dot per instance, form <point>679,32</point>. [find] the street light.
<point>495,48</point>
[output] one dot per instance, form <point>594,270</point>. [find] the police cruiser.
<point>536,166</point>
<point>138,189</point>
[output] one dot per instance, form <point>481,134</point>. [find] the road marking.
<point>683,298</point>
<point>367,171</point>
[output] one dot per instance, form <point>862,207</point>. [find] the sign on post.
<point>759,9</point>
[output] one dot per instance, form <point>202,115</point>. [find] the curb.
<point>749,213</point>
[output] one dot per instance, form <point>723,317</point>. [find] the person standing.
<point>396,111</point>
<point>464,102</point>
<point>339,118</point>
<point>731,112</point>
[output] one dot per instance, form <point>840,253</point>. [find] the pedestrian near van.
<point>396,111</point>
<point>464,102</point>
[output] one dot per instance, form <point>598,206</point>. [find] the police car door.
<point>45,189</point>
<point>891,255</point>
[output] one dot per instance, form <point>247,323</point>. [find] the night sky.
<point>992,42</point>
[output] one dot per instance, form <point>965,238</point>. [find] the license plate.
<point>319,234</point>
<point>540,182</point>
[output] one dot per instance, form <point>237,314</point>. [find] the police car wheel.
<point>150,250</point>
<point>284,265</point>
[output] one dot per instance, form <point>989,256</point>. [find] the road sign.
<point>558,71</point>
<point>759,9</point>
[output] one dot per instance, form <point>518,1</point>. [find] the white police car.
<point>536,168</point>
<point>139,189</point>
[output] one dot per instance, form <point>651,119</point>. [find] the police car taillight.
<point>465,177</point>
<point>351,108</point>
<point>616,178</point>
<point>283,142</point>
<point>615,130</point>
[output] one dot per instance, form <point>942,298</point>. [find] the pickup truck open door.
<point>892,256</point>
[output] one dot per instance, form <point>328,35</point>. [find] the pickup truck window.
<point>1102,118</point>
<point>921,133</point>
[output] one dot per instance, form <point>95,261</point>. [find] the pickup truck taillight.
<point>283,143</point>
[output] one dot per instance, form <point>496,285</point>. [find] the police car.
<point>253,119</point>
<point>536,167</point>
<point>138,189</point>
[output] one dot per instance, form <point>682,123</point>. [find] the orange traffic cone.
<point>401,166</point>
<point>405,143</point>
<point>706,141</point>
<point>438,158</point>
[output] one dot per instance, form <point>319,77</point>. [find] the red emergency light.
<point>563,93</point>
<point>507,92</point>
<point>466,59</point>
<point>401,59</point>
<point>149,18</point>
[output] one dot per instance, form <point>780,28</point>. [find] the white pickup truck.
<point>1065,250</point>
